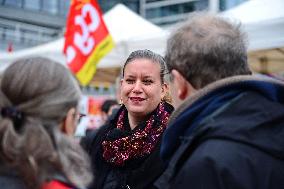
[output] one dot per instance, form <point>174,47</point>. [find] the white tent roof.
<point>129,31</point>
<point>263,20</point>
<point>124,24</point>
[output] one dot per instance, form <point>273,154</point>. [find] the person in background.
<point>125,151</point>
<point>117,87</point>
<point>227,130</point>
<point>38,104</point>
<point>107,108</point>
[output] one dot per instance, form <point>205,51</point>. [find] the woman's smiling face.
<point>141,86</point>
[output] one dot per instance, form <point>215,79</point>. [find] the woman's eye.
<point>148,82</point>
<point>130,81</point>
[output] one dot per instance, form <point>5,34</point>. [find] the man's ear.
<point>183,87</point>
<point>69,124</point>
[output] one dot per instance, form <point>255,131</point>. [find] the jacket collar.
<point>235,80</point>
<point>186,118</point>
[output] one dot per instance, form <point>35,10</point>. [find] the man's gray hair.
<point>207,48</point>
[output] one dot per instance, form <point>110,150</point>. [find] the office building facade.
<point>26,23</point>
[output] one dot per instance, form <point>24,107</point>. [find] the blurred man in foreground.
<point>227,130</point>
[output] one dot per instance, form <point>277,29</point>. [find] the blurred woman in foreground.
<point>38,103</point>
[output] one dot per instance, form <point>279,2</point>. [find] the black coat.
<point>239,144</point>
<point>135,176</point>
<point>9,179</point>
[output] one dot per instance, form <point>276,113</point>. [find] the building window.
<point>227,4</point>
<point>133,5</point>
<point>50,6</point>
<point>106,5</point>
<point>170,10</point>
<point>64,7</point>
<point>14,3</point>
<point>32,4</point>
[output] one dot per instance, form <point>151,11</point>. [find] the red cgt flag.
<point>87,39</point>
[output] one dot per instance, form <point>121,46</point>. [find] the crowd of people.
<point>197,118</point>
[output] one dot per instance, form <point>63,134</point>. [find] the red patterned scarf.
<point>138,143</point>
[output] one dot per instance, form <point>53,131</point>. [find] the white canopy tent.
<point>263,20</point>
<point>129,31</point>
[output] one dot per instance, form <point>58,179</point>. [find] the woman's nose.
<point>137,87</point>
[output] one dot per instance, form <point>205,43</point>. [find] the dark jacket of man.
<point>230,135</point>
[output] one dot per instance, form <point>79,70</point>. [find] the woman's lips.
<point>136,99</point>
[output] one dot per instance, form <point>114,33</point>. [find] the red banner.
<point>87,39</point>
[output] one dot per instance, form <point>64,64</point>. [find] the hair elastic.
<point>15,115</point>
